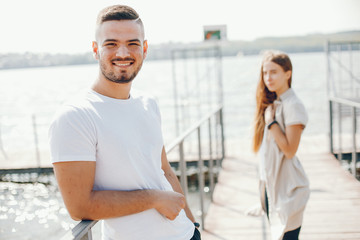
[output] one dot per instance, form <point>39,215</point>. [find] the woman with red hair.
<point>279,122</point>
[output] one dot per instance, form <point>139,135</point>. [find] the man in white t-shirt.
<point>107,147</point>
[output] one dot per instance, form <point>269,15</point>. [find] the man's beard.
<point>123,78</point>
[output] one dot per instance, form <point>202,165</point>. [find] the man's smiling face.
<point>121,49</point>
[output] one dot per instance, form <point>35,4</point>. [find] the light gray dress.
<point>285,179</point>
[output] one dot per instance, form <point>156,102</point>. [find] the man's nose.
<point>122,52</point>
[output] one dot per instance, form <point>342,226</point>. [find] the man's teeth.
<point>122,64</point>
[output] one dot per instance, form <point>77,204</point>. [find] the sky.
<point>67,26</point>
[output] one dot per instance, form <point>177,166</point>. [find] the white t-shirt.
<point>124,138</point>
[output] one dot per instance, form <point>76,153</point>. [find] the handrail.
<point>347,96</point>
<point>353,104</point>
<point>82,231</point>
<point>339,42</point>
<point>191,129</point>
<point>345,101</point>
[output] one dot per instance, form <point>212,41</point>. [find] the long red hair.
<point>264,97</point>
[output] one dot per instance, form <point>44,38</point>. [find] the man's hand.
<point>169,204</point>
<point>174,182</point>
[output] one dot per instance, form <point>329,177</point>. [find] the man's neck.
<point>111,89</point>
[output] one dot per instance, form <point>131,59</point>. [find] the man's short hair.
<point>118,13</point>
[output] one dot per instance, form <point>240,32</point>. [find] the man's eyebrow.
<point>134,40</point>
<point>110,40</point>
<point>114,40</point>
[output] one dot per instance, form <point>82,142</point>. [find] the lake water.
<point>36,211</point>
<point>39,91</point>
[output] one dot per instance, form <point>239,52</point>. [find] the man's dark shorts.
<point>196,235</point>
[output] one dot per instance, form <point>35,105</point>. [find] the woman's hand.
<point>269,114</point>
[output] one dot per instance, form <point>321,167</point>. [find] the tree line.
<point>308,43</point>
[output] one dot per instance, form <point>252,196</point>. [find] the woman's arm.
<point>288,142</point>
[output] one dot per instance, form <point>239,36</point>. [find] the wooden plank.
<point>333,211</point>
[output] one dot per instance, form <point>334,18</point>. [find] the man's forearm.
<point>109,204</point>
<point>76,181</point>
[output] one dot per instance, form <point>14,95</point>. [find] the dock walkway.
<point>333,211</point>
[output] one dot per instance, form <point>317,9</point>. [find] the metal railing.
<point>341,102</point>
<point>343,89</point>
<point>82,231</point>
<point>343,73</point>
<point>197,82</point>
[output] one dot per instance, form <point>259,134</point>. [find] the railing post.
<point>222,135</point>
<point>1,145</point>
<point>331,127</point>
<point>183,176</point>
<point>176,100</point>
<point>36,140</point>
<point>327,50</point>
<point>201,179</point>
<point>353,158</point>
<point>352,83</point>
<point>211,163</point>
<point>338,48</point>
<point>217,123</point>
<point>340,132</point>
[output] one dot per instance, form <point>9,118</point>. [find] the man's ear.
<point>288,74</point>
<point>145,48</point>
<point>95,50</point>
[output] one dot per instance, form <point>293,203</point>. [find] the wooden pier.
<point>333,211</point>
